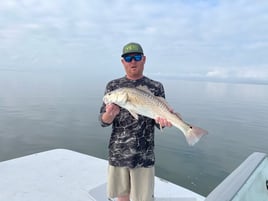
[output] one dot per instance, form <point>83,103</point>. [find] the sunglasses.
<point>137,57</point>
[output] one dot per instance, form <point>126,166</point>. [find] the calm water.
<point>42,111</point>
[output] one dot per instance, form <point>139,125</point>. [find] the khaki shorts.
<point>136,182</point>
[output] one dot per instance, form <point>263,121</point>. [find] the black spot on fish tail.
<point>190,126</point>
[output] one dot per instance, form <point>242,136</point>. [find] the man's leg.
<point>118,184</point>
<point>142,184</point>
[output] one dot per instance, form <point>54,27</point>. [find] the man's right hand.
<point>111,111</point>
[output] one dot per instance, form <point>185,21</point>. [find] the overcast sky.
<point>195,38</point>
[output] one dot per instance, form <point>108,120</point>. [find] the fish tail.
<point>194,134</point>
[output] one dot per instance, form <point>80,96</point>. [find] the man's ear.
<point>144,59</point>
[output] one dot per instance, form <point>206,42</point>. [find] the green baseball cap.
<point>132,48</point>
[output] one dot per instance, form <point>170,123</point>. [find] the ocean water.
<point>43,110</point>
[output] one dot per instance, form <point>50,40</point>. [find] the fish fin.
<point>178,115</point>
<point>134,114</point>
<point>164,101</point>
<point>145,89</point>
<point>194,134</point>
<point>161,128</point>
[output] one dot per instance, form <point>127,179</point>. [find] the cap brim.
<point>131,53</point>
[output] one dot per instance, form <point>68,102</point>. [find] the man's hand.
<point>111,111</point>
<point>163,122</point>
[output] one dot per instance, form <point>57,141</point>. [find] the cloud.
<point>250,73</point>
<point>208,38</point>
<point>218,73</point>
<point>245,75</point>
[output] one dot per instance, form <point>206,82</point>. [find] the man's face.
<point>134,65</point>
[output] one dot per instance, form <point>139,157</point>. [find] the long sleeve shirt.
<point>132,141</point>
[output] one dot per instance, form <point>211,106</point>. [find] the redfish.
<point>140,101</point>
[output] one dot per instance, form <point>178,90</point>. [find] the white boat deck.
<point>64,175</point>
<point>248,182</point>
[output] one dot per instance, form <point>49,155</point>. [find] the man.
<point>131,146</point>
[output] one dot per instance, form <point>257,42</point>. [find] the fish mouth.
<point>105,100</point>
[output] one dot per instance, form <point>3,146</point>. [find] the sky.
<point>195,39</point>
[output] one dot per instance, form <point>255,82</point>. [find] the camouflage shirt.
<point>132,141</point>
